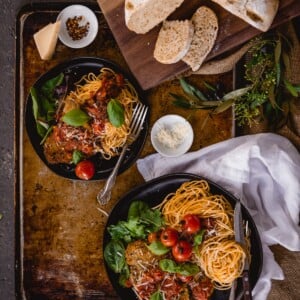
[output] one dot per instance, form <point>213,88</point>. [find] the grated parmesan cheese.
<point>172,138</point>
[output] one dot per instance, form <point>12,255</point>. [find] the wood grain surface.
<point>137,49</point>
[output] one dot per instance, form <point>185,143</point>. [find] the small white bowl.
<point>87,15</point>
<point>172,135</point>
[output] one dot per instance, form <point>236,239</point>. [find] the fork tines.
<point>138,118</point>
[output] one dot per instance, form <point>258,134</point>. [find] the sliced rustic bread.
<point>173,41</point>
<point>206,29</point>
<point>143,15</point>
<point>258,13</point>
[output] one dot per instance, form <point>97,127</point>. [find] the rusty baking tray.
<point>59,228</point>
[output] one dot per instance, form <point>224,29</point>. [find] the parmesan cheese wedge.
<point>46,39</point>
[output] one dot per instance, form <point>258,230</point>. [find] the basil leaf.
<point>199,237</point>
<point>188,269</point>
<point>114,255</point>
<point>77,156</point>
<point>75,117</point>
<point>116,114</point>
<point>158,248</point>
<point>168,265</point>
<point>185,269</point>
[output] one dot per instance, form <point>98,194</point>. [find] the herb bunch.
<point>266,89</point>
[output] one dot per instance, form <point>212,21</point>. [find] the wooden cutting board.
<point>138,49</point>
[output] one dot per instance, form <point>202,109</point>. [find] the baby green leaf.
<point>75,117</point>
<point>115,111</point>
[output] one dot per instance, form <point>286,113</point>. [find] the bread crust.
<point>258,13</point>
<point>143,15</point>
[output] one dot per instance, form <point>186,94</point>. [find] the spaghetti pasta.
<point>222,260</point>
<point>219,256</point>
<point>92,94</point>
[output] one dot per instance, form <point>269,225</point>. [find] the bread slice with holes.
<point>143,15</point>
<point>258,13</point>
<point>206,27</point>
<point>173,41</point>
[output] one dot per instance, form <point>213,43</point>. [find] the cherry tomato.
<point>182,251</point>
<point>85,170</point>
<point>169,237</point>
<point>191,224</point>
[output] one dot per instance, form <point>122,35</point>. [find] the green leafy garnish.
<point>140,222</point>
<point>77,157</point>
<point>267,90</point>
<point>44,104</point>
<point>158,248</point>
<point>185,269</point>
<point>115,111</point>
<point>114,255</point>
<point>158,295</point>
<point>76,117</point>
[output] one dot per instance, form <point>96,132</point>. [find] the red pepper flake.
<point>75,29</point>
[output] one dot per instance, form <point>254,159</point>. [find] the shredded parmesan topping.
<point>172,138</point>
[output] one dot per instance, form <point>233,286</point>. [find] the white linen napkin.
<point>263,171</point>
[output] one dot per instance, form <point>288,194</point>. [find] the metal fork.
<point>136,125</point>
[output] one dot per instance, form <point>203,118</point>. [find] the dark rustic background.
<point>289,261</point>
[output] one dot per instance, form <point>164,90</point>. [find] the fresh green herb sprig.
<point>266,89</point>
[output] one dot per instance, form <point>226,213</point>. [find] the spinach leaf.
<point>75,117</point>
<point>114,255</point>
<point>116,114</point>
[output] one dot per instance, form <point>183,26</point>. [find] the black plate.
<point>77,68</point>
<point>153,192</point>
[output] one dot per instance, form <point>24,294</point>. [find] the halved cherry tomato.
<point>169,237</point>
<point>191,224</point>
<point>182,251</point>
<point>85,170</point>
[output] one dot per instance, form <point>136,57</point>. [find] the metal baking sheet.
<point>58,224</point>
